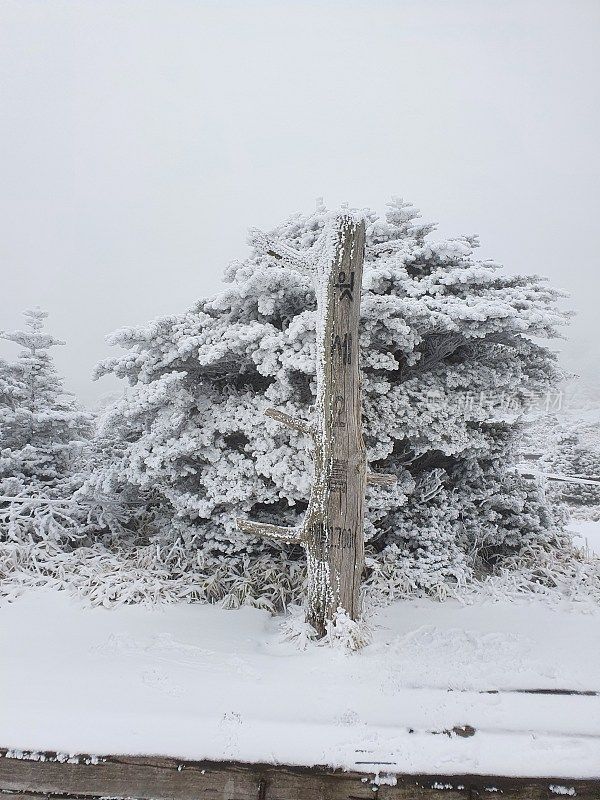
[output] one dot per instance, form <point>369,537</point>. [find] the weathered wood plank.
<point>285,785</point>
<point>124,777</point>
<point>159,778</point>
<point>25,796</point>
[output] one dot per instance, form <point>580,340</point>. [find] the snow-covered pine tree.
<point>11,395</point>
<point>448,362</point>
<point>574,453</point>
<point>42,435</point>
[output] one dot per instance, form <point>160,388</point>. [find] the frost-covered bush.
<point>43,442</point>
<point>448,364</point>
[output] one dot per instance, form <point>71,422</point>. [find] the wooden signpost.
<point>332,531</point>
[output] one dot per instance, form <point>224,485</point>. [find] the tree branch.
<point>586,481</point>
<point>43,501</point>
<point>277,532</point>
<point>280,251</point>
<point>379,479</point>
<point>300,425</point>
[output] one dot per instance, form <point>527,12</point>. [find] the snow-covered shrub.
<point>448,364</point>
<point>295,628</point>
<point>44,441</point>
<point>551,573</point>
<point>346,633</point>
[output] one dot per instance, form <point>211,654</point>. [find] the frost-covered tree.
<point>11,395</point>
<point>42,432</point>
<point>448,363</point>
<point>574,453</point>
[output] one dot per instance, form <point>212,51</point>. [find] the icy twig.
<point>300,425</point>
<point>379,479</point>
<point>280,251</point>
<point>278,532</point>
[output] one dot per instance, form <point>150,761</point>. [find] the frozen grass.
<point>146,575</point>
<point>140,575</point>
<point>537,572</point>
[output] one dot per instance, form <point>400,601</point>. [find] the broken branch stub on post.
<point>380,479</point>
<point>300,425</point>
<point>277,532</point>
<point>332,531</point>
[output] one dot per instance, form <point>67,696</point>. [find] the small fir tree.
<point>42,436</point>
<point>11,397</point>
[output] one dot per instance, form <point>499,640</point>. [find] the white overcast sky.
<point>140,140</point>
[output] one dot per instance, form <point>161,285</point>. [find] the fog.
<point>140,140</point>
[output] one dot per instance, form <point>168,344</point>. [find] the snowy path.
<point>199,682</point>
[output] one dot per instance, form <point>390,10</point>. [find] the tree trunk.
<point>333,529</point>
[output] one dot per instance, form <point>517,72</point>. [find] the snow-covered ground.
<point>196,682</point>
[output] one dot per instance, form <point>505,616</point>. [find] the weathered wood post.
<point>334,519</point>
<point>332,532</point>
